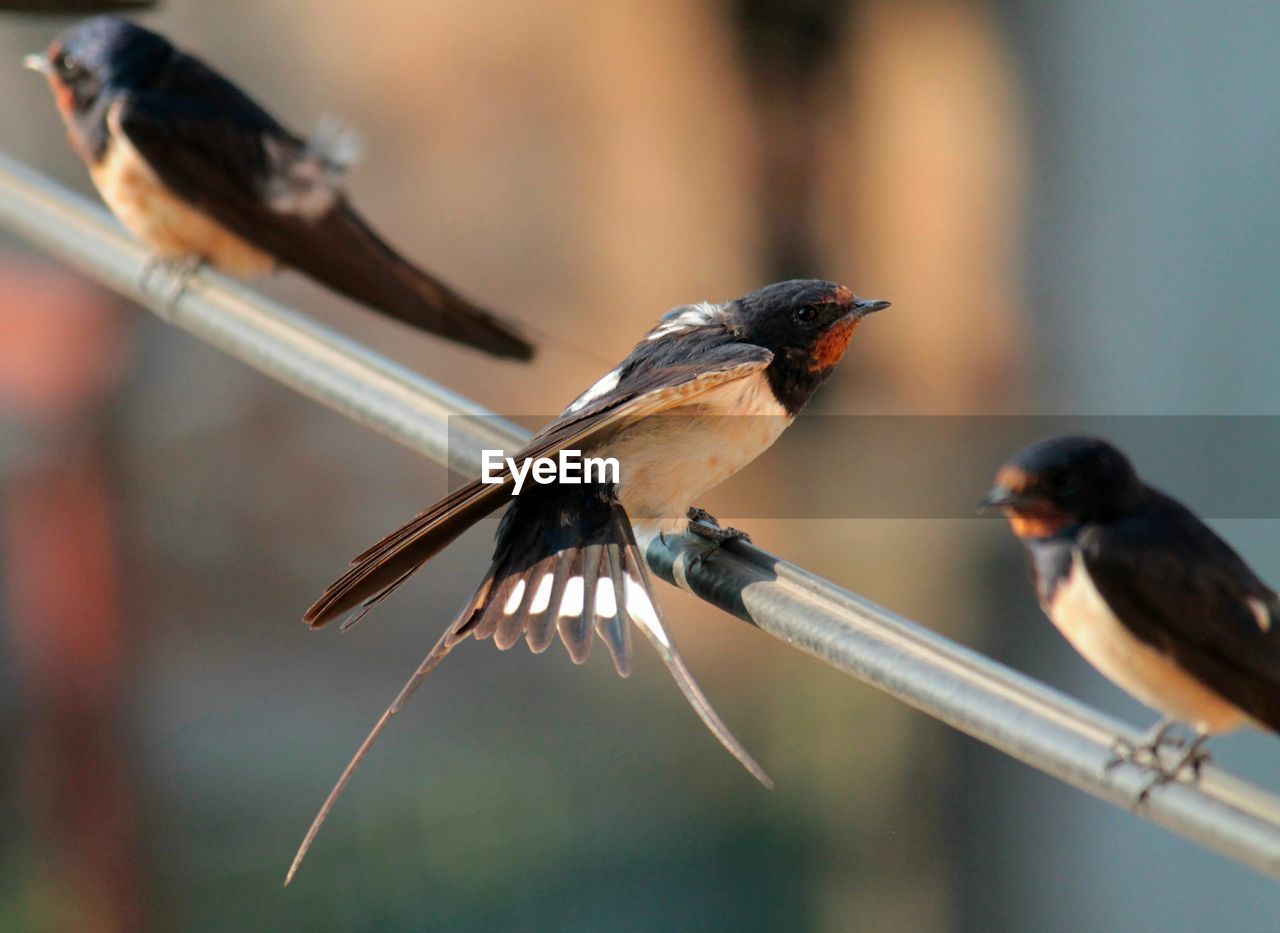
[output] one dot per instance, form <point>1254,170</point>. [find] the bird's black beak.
<point>864,306</point>
<point>998,497</point>
<point>38,63</point>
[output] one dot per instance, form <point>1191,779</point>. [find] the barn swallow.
<point>1146,592</point>
<point>701,396</point>
<point>200,173</point>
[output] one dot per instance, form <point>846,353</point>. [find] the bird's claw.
<point>1192,759</point>
<point>696,514</point>
<point>703,524</point>
<point>1146,753</point>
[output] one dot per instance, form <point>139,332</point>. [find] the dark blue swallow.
<point>200,173</point>
<point>1146,592</point>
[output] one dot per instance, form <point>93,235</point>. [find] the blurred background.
<point>1075,209</point>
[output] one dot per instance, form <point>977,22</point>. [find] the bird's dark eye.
<point>806,314</point>
<point>69,65</point>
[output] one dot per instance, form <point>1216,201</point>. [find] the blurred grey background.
<point>1075,209</point>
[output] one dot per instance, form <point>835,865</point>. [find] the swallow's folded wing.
<point>641,390</point>
<point>1181,589</point>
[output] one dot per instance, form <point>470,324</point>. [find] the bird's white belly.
<point>1084,618</point>
<point>668,461</point>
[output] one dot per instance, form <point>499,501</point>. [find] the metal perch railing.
<point>964,689</point>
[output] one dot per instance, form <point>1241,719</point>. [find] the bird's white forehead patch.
<point>604,385</point>
<point>686,317</point>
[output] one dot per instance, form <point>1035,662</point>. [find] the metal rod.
<point>985,699</point>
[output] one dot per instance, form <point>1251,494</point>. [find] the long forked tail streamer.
<point>429,663</point>
<point>644,610</point>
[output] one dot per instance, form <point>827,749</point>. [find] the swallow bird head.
<point>1063,482</point>
<point>105,52</point>
<point>807,324</point>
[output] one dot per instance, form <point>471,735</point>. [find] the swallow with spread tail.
<point>708,390</point>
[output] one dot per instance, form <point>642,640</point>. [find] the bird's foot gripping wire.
<point>180,273</point>
<point>1190,760</point>
<point>703,524</point>
<point>1147,753</point>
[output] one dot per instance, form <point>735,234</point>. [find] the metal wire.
<point>1011,712</point>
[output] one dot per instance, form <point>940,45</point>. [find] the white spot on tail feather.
<point>541,596</point>
<point>640,607</point>
<point>513,601</point>
<point>606,604</point>
<point>574,594</point>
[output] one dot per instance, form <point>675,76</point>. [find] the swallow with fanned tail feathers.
<point>199,172</point>
<point>1147,593</point>
<point>705,393</point>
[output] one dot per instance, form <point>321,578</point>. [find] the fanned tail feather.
<point>567,564</point>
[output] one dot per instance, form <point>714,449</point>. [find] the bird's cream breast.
<point>161,220</point>
<point>1084,618</point>
<point>668,461</point>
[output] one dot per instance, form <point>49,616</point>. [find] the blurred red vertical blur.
<point>60,353</point>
